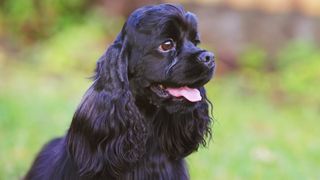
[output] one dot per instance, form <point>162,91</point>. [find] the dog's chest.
<point>158,166</point>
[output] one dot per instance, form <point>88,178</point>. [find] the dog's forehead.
<point>147,14</point>
<point>179,27</point>
<point>160,18</point>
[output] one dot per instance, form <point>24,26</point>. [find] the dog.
<point>146,109</point>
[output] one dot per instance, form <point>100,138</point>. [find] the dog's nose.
<point>207,58</point>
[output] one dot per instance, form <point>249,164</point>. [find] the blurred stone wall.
<point>230,31</point>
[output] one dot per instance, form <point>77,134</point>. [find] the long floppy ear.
<point>107,132</point>
<point>181,133</point>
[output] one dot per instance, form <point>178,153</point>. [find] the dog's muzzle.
<point>207,59</point>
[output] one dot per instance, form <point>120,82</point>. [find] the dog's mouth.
<point>184,92</point>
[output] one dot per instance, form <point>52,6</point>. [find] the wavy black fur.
<point>123,129</point>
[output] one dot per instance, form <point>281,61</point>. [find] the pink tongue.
<point>192,95</point>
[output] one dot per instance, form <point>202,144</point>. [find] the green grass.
<point>266,123</point>
<point>254,136</point>
<point>33,109</point>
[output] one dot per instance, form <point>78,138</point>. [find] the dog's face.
<point>165,65</point>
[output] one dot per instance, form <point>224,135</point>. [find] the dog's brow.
<point>172,30</point>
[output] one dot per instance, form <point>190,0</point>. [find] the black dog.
<point>146,109</point>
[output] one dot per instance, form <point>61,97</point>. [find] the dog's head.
<point>153,61</point>
<point>165,64</point>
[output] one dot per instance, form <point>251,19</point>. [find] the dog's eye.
<point>167,45</point>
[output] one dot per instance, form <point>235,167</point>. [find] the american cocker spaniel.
<point>146,109</point>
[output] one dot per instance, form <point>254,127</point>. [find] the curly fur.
<point>122,129</point>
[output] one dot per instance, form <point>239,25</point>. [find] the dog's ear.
<point>107,132</point>
<point>192,19</point>
<point>181,133</point>
<point>193,22</point>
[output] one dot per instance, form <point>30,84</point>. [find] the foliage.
<point>32,20</point>
<point>299,65</point>
<point>253,58</point>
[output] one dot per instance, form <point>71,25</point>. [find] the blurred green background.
<point>266,91</point>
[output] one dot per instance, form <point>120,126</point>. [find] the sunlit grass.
<point>266,124</point>
<point>253,137</point>
<point>33,109</point>
<point>256,139</point>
